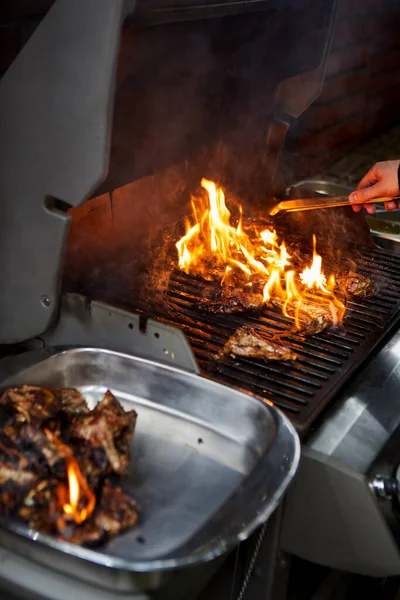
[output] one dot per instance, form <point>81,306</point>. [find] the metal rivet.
<point>46,301</point>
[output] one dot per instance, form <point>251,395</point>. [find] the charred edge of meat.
<point>228,301</point>
<point>71,401</point>
<point>115,513</point>
<point>40,508</point>
<point>356,284</point>
<point>246,342</point>
<point>314,318</point>
<point>30,403</point>
<point>17,476</point>
<point>94,463</point>
<point>35,443</point>
<point>109,427</point>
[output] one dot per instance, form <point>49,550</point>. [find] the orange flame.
<point>215,249</point>
<point>78,492</point>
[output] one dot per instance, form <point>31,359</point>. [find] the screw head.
<point>46,301</point>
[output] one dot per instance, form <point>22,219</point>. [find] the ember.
<point>59,476</point>
<point>254,263</point>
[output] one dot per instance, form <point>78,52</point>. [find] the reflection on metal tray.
<point>209,464</point>
<point>320,186</point>
<point>385,227</point>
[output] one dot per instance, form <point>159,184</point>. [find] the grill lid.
<point>55,122</point>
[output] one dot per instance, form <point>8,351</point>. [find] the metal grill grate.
<point>325,361</point>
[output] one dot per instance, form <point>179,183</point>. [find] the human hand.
<point>381,181</point>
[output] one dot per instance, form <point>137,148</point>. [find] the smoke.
<point>193,100</point>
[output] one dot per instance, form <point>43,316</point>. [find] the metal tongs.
<point>315,203</point>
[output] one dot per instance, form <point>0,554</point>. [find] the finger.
<point>357,207</point>
<point>390,205</point>
<point>369,179</point>
<point>368,193</point>
<point>370,208</point>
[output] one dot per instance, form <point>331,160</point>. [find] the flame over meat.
<point>77,499</point>
<point>215,249</point>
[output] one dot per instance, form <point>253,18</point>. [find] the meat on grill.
<point>313,317</point>
<point>246,342</point>
<point>230,301</point>
<point>107,431</point>
<point>356,284</point>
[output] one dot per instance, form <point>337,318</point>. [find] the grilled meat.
<point>230,301</point>
<point>30,403</point>
<point>72,402</point>
<point>115,513</point>
<point>17,476</point>
<point>14,466</point>
<point>47,429</point>
<point>356,284</point>
<point>40,508</point>
<point>109,428</point>
<point>34,443</point>
<point>314,318</point>
<point>93,462</point>
<point>246,342</point>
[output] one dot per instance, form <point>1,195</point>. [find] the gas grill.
<point>87,287</point>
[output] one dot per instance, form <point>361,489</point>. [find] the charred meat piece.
<point>40,508</point>
<point>72,402</point>
<point>106,428</point>
<point>15,466</point>
<point>17,476</point>
<point>30,403</point>
<point>115,513</point>
<point>246,342</point>
<point>34,443</point>
<point>93,462</point>
<point>230,301</point>
<point>356,284</point>
<point>313,317</point>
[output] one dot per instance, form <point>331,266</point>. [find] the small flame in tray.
<point>78,489</point>
<point>76,499</point>
<point>254,260</point>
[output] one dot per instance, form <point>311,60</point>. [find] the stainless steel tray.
<point>209,464</point>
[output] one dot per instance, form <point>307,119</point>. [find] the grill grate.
<point>325,361</point>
